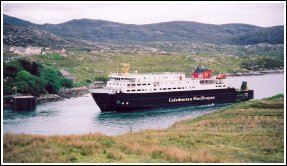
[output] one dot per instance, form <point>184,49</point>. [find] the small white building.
<point>26,51</point>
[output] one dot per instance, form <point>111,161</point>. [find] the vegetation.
<point>96,66</point>
<point>256,63</point>
<point>32,78</point>
<point>245,132</point>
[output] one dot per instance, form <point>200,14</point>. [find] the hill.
<point>113,32</point>
<point>271,35</point>
<point>21,36</point>
<point>18,22</point>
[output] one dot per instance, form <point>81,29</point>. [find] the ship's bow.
<point>104,99</point>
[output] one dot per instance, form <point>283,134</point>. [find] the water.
<point>263,86</point>
<point>81,115</point>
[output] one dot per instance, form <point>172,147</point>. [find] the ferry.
<point>142,91</point>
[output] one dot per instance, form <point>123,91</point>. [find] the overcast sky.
<point>260,14</point>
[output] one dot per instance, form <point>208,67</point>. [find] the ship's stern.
<point>244,93</point>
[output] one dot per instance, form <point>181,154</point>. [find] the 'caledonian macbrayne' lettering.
<point>171,100</point>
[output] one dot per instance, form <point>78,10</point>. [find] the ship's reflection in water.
<point>123,122</point>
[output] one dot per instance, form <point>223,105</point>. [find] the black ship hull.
<point>123,102</point>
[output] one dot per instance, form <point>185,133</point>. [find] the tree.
<point>11,69</point>
<point>54,79</point>
<point>32,78</point>
<point>22,81</point>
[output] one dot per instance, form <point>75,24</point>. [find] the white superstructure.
<point>159,82</point>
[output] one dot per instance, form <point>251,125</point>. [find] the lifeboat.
<point>221,76</point>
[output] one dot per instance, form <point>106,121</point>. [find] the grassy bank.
<point>245,132</point>
<point>87,66</point>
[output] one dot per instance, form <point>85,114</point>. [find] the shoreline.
<point>66,93</point>
<point>255,73</point>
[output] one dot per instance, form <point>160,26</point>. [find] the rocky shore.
<point>48,98</point>
<point>255,73</point>
<point>69,93</point>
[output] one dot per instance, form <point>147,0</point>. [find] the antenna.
<point>117,64</point>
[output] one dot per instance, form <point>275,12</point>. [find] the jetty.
<point>23,103</point>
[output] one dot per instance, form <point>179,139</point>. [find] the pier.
<point>23,103</point>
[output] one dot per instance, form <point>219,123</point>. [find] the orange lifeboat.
<point>221,76</point>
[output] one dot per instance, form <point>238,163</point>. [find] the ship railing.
<point>137,74</point>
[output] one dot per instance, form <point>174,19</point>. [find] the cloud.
<point>261,14</point>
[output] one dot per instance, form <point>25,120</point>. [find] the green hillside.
<point>87,66</point>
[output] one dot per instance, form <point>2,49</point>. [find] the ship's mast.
<point>117,64</point>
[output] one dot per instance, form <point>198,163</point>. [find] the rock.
<point>48,98</point>
<point>73,92</point>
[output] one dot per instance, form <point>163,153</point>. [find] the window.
<point>133,90</point>
<point>128,84</point>
<point>139,90</point>
<point>138,84</point>
<point>128,90</point>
